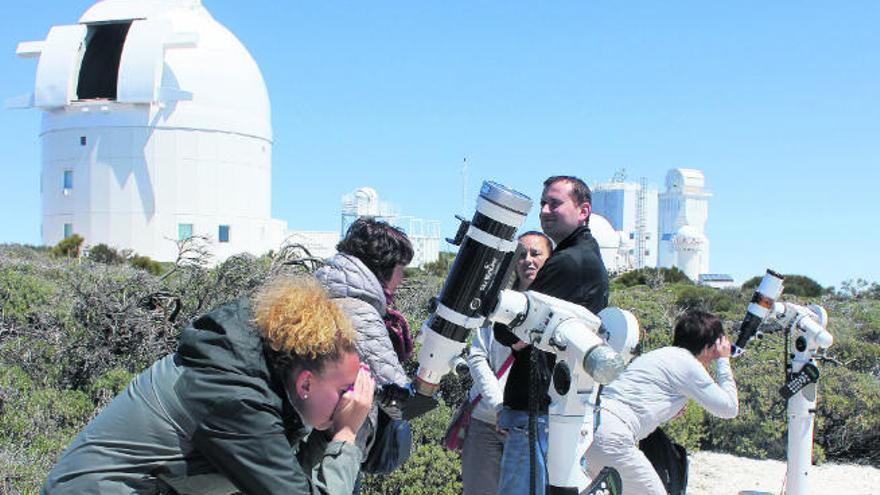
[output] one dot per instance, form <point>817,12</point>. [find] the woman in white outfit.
<point>653,389</point>
<point>484,443</point>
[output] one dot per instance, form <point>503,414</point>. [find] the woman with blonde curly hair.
<point>264,395</point>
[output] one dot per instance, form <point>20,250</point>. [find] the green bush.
<point>102,253</point>
<point>431,469</point>
<point>652,277</point>
<point>441,267</point>
<point>74,334</point>
<point>23,291</point>
<point>688,429</point>
<point>69,247</point>
<point>146,263</point>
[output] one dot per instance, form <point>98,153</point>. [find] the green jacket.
<point>208,419</point>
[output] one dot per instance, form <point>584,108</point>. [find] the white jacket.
<point>485,358</point>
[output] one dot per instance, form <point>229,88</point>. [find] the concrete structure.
<point>684,209</point>
<point>321,244</point>
<point>156,127</point>
<point>424,234</point>
<point>632,210</point>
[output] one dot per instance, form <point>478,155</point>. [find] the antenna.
<point>464,186</point>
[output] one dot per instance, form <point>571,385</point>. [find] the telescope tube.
<point>471,289</point>
<point>765,296</point>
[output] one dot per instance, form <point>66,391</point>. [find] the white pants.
<point>615,445</point>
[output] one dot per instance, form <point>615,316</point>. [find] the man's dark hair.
<point>378,245</point>
<point>580,191</point>
<point>697,329</point>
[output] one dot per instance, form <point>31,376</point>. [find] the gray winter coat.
<point>361,296</point>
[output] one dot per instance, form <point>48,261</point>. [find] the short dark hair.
<point>378,245</point>
<point>697,329</point>
<point>580,191</point>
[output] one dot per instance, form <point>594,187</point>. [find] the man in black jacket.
<point>574,272</point>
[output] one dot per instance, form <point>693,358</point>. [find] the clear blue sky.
<point>777,102</point>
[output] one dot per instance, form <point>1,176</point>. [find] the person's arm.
<point>373,343</point>
<point>719,399</point>
<point>482,372</point>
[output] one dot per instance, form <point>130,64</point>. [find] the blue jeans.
<point>514,478</point>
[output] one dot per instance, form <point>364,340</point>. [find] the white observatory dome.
<point>156,128</point>
<point>603,232</point>
<point>687,238</point>
<point>173,54</point>
<point>609,241</point>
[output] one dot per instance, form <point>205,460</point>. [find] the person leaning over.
<point>263,395</point>
<point>653,389</point>
<point>363,277</point>
<point>484,442</point>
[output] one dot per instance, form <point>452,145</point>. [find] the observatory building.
<point>658,229</point>
<point>156,127</point>
<point>423,234</point>
<point>631,208</point>
<point>684,209</point>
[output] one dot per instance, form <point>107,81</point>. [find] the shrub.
<point>102,253</point>
<point>69,247</point>
<point>652,277</point>
<point>72,335</point>
<point>146,263</point>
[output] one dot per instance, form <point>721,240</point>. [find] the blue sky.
<point>777,102</point>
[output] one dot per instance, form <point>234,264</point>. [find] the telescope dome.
<point>687,238</point>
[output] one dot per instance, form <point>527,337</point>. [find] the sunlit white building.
<point>156,127</point>
<point>658,229</point>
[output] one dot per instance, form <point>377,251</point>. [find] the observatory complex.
<point>658,229</point>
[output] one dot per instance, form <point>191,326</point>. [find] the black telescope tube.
<point>472,286</point>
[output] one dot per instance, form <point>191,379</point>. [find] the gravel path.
<point>722,474</point>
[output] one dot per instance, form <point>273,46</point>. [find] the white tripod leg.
<point>800,440</point>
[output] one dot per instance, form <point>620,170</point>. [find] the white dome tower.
<point>684,210</point>
<point>156,127</point>
<point>690,246</point>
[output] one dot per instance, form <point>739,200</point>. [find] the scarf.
<point>398,329</point>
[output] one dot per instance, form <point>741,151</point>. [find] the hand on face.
<point>354,406</point>
<point>722,347</point>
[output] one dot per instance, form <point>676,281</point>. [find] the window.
<point>223,233</point>
<point>184,231</point>
<point>68,179</point>
<point>68,229</point>
<point>99,70</point>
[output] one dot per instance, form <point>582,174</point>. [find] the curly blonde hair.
<point>300,325</point>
